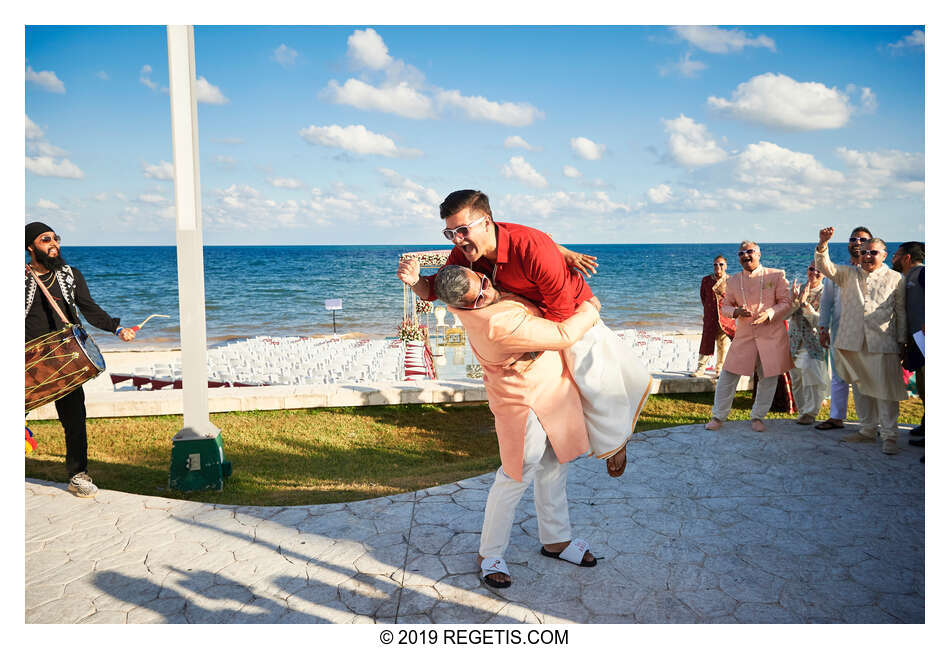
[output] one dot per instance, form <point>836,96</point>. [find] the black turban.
<point>34,230</point>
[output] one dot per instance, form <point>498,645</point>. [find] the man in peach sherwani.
<point>538,416</point>
<point>759,300</point>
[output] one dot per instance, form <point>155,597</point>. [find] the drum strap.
<point>52,302</point>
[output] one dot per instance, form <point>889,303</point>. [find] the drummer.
<point>68,287</point>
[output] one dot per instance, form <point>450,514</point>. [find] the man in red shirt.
<point>527,262</point>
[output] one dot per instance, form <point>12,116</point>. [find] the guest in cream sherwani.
<point>759,300</point>
<point>871,335</point>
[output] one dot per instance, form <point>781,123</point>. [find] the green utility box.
<point>198,464</point>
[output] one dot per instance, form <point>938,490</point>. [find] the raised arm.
<point>823,261</point>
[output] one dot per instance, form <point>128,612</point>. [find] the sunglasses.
<point>481,298</point>
<point>48,239</point>
<point>858,239</point>
<point>463,230</point>
<point>747,252</point>
<point>872,253</point>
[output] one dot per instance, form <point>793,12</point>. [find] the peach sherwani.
<point>499,335</point>
<point>762,290</point>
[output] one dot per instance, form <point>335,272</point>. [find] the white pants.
<point>722,347</point>
<point>838,407</point>
<point>550,496</point>
<point>876,412</point>
<point>726,392</point>
<point>808,398</point>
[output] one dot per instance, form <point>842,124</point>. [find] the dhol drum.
<point>59,362</point>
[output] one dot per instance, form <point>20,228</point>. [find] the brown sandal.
<point>612,469</point>
<point>828,425</point>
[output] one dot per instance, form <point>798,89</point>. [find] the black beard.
<point>52,263</point>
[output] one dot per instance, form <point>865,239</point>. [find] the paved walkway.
<point>733,526</point>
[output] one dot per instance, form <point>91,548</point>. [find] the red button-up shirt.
<point>529,264</point>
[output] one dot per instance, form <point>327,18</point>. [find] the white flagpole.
<point>191,281</point>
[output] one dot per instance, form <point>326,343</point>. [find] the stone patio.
<point>786,526</point>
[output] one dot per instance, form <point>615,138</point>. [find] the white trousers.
<point>808,398</point>
<point>839,397</point>
<point>876,412</point>
<point>722,348</point>
<point>726,392</point>
<point>550,496</point>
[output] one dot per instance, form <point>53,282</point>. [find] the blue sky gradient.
<point>353,135</point>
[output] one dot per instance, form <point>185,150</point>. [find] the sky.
<point>355,134</point>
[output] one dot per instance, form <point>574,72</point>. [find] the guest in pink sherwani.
<point>759,300</point>
<point>538,416</point>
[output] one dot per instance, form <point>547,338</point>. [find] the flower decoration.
<point>409,331</point>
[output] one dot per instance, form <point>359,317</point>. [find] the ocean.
<point>280,290</point>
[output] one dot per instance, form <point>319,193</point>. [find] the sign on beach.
<point>336,304</point>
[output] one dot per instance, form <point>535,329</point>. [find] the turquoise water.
<point>280,290</point>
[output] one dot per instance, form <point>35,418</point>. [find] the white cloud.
<point>286,183</point>
<point>562,203</point>
<point>720,41</point>
<point>780,101</point>
<point>152,198</point>
<point>518,142</point>
<point>587,149</point>
<point>355,139</point>
<point>519,169</point>
<point>400,99</point>
<point>47,166</point>
<point>33,132</point>
<point>102,74</point>
<point>225,161</point>
<point>914,39</point>
<point>367,49</point>
<point>284,55</point>
<point>228,140</point>
<point>47,80</point>
<point>767,164</point>
<point>685,67</point>
<point>101,197</point>
<point>481,109</point>
<point>409,197</point>
<point>209,94</point>
<point>145,77</point>
<point>162,171</point>
<point>690,143</point>
<point>571,172</point>
<point>44,204</point>
<point>660,194</point>
<point>868,101</point>
<point>44,148</point>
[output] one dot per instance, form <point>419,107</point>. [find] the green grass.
<point>303,457</point>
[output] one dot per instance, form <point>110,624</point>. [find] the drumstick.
<point>142,324</point>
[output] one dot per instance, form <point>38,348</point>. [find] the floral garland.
<point>423,306</point>
<point>408,331</point>
<point>427,259</point>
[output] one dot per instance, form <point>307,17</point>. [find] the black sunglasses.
<point>872,253</point>
<point>858,239</point>
<point>47,238</point>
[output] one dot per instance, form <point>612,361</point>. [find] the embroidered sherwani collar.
<point>755,273</point>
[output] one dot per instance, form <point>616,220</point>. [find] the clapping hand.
<point>762,317</point>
